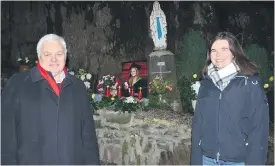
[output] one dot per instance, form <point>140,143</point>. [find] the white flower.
<point>88,76</point>
<point>100,89</point>
<point>82,77</point>
<point>130,100</point>
<point>87,84</point>
<point>19,59</point>
<point>71,72</point>
<point>114,86</point>
<point>196,87</point>
<point>27,59</point>
<point>100,82</point>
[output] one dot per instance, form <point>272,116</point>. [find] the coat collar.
<point>36,76</point>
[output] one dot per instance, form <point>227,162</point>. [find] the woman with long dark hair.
<point>231,121</point>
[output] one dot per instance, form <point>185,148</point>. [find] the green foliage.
<point>160,86</point>
<point>187,94</point>
<point>259,55</point>
<point>120,105</point>
<point>191,60</point>
<point>106,102</point>
<point>128,104</point>
<point>193,54</point>
<point>155,103</point>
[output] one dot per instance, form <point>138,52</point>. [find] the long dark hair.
<point>247,67</point>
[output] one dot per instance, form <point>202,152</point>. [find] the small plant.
<point>128,104</point>
<point>27,61</point>
<point>82,75</point>
<point>187,94</point>
<point>160,86</point>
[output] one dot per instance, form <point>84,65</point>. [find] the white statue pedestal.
<point>162,64</point>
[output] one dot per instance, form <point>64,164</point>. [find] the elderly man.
<point>46,114</point>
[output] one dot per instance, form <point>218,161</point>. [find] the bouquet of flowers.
<point>107,80</point>
<point>83,75</point>
<point>24,61</point>
<point>160,86</point>
<point>128,104</point>
<point>27,61</point>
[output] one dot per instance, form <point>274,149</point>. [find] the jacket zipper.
<point>218,154</point>
<point>220,97</point>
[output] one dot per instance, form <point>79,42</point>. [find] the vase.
<point>195,86</point>
<point>23,68</point>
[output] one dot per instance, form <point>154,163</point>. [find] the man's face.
<point>220,54</point>
<point>52,57</point>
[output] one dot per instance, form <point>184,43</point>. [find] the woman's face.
<point>133,72</point>
<point>220,54</point>
<point>113,92</point>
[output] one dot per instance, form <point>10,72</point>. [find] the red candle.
<point>140,94</point>
<point>119,92</point>
<point>107,93</point>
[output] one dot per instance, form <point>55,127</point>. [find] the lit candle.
<point>119,92</point>
<point>107,93</point>
<point>140,93</point>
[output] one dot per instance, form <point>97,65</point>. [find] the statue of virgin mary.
<point>158,27</point>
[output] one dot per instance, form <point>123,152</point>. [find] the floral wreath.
<point>109,79</point>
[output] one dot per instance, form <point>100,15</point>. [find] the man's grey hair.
<point>51,37</point>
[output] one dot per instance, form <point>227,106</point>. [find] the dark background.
<point>24,23</point>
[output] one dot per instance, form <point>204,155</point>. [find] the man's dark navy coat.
<point>39,127</point>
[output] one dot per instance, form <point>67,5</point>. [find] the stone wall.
<point>147,138</point>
